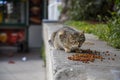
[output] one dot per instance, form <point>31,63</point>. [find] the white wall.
<point>53,12</point>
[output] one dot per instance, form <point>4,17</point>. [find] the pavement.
<point>22,66</point>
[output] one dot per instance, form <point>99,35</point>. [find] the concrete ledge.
<point>60,68</point>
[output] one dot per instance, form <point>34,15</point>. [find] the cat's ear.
<point>82,32</point>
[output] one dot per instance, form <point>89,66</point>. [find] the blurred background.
<point>21,28</point>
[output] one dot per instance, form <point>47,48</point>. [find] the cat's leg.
<point>57,46</point>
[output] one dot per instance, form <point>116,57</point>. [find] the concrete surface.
<point>60,68</point>
<point>12,67</point>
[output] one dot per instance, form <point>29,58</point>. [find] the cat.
<point>67,38</point>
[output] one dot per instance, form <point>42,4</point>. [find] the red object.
<point>14,35</point>
<point>21,36</point>
<point>11,62</point>
<point>13,38</point>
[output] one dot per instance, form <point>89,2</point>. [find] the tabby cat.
<point>67,38</point>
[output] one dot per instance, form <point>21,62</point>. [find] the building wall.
<point>51,1</point>
<point>35,36</point>
<point>53,11</point>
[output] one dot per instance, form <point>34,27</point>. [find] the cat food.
<point>108,58</point>
<point>88,55</point>
<point>113,59</point>
<point>85,57</point>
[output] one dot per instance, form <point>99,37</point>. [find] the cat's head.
<point>76,39</point>
<point>73,40</point>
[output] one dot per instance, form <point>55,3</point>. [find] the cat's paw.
<point>57,48</point>
<point>67,50</point>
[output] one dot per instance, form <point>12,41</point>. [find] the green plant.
<point>43,54</point>
<point>97,29</point>
<point>114,26</point>
<point>88,9</point>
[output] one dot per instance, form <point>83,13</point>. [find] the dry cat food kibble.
<point>88,55</point>
<point>85,57</point>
